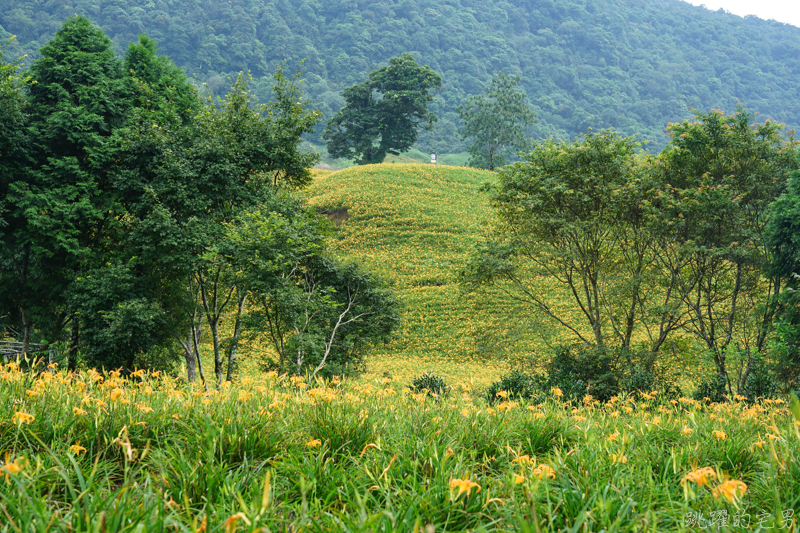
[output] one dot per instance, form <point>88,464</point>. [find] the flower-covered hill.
<point>415,225</point>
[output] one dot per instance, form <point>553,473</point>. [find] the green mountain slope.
<point>630,64</point>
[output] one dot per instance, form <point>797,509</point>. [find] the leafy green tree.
<point>14,159</point>
<point>570,217</point>
<point>382,114</point>
<point>194,175</point>
<point>65,205</point>
<point>156,82</point>
<point>782,237</point>
<point>322,315</point>
<point>718,177</point>
<point>496,122</point>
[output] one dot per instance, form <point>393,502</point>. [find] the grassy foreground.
<point>92,452</point>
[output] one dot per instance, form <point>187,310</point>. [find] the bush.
<point>760,382</point>
<point>431,384</point>
<point>714,389</point>
<point>520,386</point>
<point>641,379</point>
<point>580,369</point>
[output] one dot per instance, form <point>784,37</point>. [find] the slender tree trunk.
<point>196,332</point>
<point>237,330</point>
<point>213,310</point>
<point>189,357</point>
<point>27,330</point>
<point>74,341</point>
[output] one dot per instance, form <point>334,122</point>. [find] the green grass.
<point>369,455</point>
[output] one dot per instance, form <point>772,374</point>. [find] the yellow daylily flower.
<point>77,449</point>
<point>544,471</point>
<point>20,418</point>
<point>700,476</point>
<point>463,485</point>
<point>731,489</point>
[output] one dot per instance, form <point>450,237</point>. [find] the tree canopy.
<point>118,218</point>
<point>634,66</point>
<point>645,247</point>
<point>495,124</point>
<point>382,114</point>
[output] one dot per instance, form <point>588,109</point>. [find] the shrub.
<point>642,379</point>
<point>714,389</point>
<point>518,385</point>
<point>581,369</point>
<point>431,384</point>
<point>760,382</point>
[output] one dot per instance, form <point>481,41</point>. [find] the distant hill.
<point>630,64</point>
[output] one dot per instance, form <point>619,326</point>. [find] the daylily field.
<point>98,452</point>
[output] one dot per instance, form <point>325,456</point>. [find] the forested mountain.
<point>630,64</point>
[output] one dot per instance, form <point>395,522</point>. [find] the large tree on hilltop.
<point>381,115</point>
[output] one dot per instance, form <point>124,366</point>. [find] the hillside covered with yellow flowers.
<point>415,225</point>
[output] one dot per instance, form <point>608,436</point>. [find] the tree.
<point>192,176</point>
<point>382,114</point>
<point>64,206</point>
<point>496,122</point>
<point>571,218</point>
<point>718,177</point>
<point>14,159</point>
<point>321,314</point>
<point>782,238</point>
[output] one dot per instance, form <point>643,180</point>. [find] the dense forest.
<point>634,65</point>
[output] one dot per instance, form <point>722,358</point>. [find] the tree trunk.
<point>189,357</point>
<point>27,330</point>
<point>74,341</point>
<point>237,330</point>
<point>214,325</point>
<point>196,332</point>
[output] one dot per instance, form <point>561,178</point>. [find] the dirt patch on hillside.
<point>336,215</point>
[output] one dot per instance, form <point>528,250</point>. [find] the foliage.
<point>92,450</point>
<point>321,315</point>
<point>386,109</point>
<point>120,320</point>
<point>712,390</point>
<point>14,148</point>
<point>717,179</point>
<point>760,381</point>
<point>570,216</point>
<point>430,384</point>
<point>580,369</point>
<point>496,123</point>
<point>118,232</point>
<point>63,208</point>
<point>781,237</point>
<point>518,386</point>
<point>631,66</point>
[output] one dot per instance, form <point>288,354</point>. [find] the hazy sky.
<point>781,10</point>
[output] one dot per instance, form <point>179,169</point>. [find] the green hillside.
<point>415,225</point>
<point>630,64</point>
